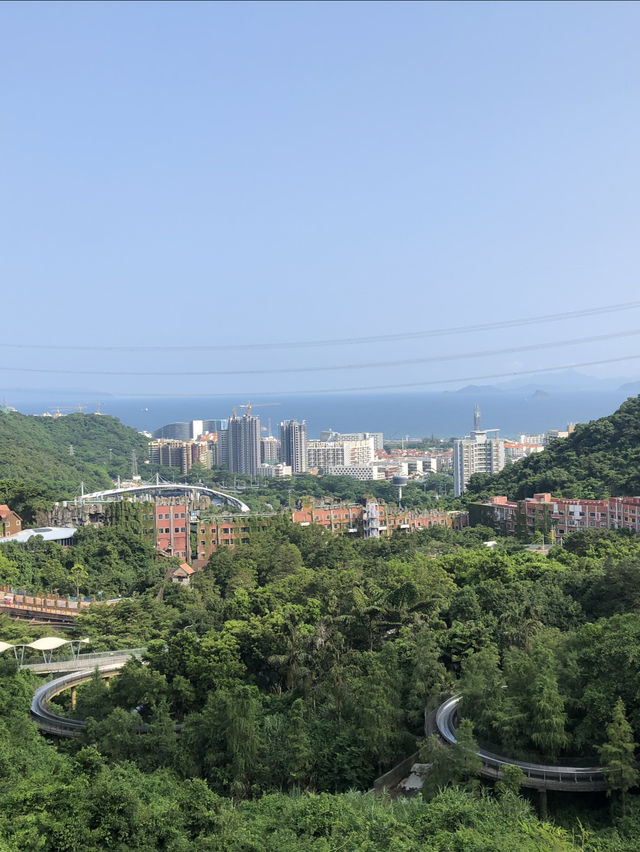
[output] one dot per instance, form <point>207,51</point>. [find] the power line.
<point>394,386</point>
<point>346,341</point>
<point>456,356</point>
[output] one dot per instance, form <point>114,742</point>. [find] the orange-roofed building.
<point>10,522</point>
<point>181,574</point>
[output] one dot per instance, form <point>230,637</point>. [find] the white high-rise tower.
<point>293,445</point>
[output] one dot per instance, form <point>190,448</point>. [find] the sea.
<point>397,415</point>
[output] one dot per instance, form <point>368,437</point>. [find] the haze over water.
<point>416,414</point>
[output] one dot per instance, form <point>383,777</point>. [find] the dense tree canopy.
<point>58,453</point>
<point>599,459</point>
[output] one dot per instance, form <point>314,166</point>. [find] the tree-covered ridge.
<point>54,801</point>
<point>599,459</point>
<point>300,666</point>
<point>307,660</point>
<point>37,450</point>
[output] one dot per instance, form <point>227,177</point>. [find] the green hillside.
<point>599,459</point>
<point>37,449</point>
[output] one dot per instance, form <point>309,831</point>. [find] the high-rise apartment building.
<point>269,449</point>
<point>243,444</point>
<point>480,452</point>
<point>293,445</point>
<point>170,454</point>
<point>223,448</point>
<point>180,454</point>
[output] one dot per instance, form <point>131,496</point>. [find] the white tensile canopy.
<point>47,644</point>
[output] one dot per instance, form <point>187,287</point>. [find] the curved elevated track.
<point>537,776</point>
<point>165,488</point>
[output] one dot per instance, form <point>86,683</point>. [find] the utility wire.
<point>394,386</point>
<point>456,356</point>
<point>346,341</point>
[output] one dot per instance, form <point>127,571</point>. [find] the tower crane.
<point>250,405</point>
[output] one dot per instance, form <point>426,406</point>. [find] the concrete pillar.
<point>542,804</point>
<point>73,697</point>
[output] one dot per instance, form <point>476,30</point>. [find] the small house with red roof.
<point>180,574</point>
<point>10,522</point>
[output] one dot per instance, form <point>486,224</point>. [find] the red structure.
<point>219,531</point>
<point>558,515</point>
<point>10,522</point>
<point>172,529</point>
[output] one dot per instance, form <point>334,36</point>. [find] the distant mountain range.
<point>565,380</point>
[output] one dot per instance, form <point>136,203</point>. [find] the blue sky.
<point>185,174</point>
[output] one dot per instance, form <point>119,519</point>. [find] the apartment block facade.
<point>293,445</point>
<point>322,455</point>
<point>481,452</point>
<point>373,520</point>
<point>269,450</point>
<point>243,444</point>
<point>556,517</point>
<point>172,530</point>
<point>377,437</point>
<point>181,454</point>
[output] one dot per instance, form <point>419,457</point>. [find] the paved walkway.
<point>84,661</point>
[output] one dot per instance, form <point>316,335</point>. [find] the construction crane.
<point>250,405</point>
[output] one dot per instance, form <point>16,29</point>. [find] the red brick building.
<point>10,522</point>
<point>216,531</point>
<point>557,516</point>
<point>172,529</point>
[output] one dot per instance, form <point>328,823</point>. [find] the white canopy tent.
<point>47,644</point>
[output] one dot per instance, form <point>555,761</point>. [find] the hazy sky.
<point>208,174</point>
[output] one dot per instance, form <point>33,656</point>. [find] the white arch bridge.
<point>164,488</point>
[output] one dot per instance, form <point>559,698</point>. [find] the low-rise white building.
<point>363,472</point>
<point>275,470</point>
<point>322,455</point>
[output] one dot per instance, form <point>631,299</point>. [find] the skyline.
<point>222,174</point>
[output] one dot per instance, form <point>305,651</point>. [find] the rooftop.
<point>47,533</point>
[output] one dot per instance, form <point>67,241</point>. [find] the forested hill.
<point>599,459</point>
<point>37,449</point>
